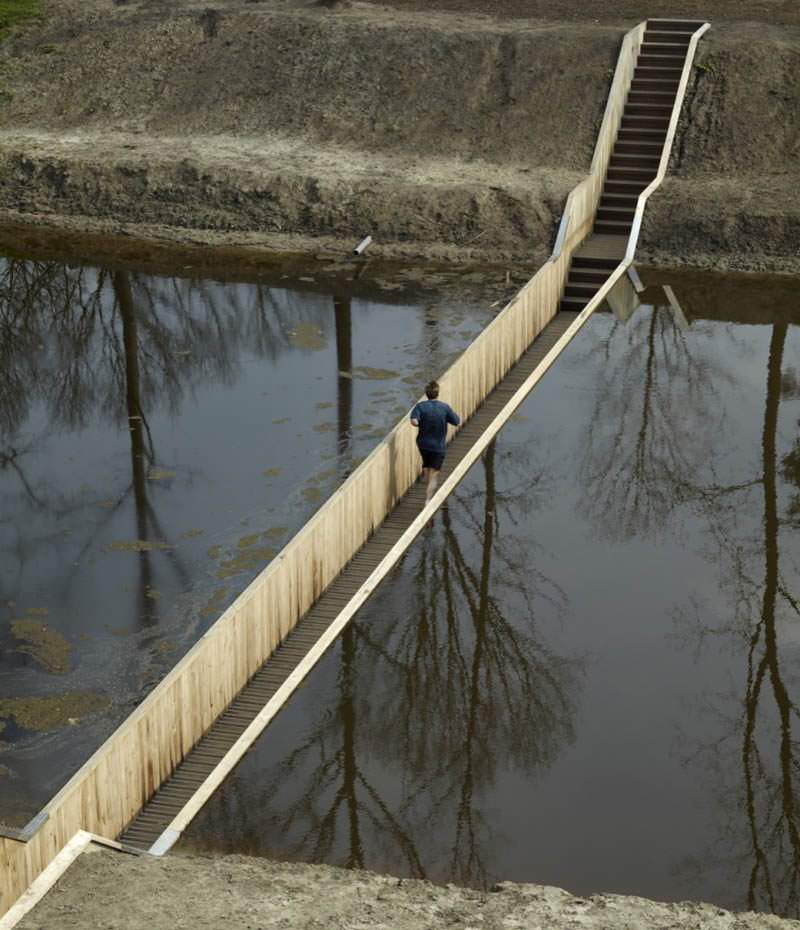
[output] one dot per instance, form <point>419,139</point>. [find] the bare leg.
<point>433,480</point>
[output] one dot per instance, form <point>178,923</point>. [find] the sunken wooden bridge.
<point>150,778</point>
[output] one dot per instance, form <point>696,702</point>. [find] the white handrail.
<point>633,238</point>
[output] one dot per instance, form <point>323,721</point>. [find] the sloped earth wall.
<point>442,134</point>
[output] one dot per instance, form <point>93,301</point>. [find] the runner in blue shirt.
<point>431,416</point>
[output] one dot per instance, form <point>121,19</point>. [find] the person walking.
<point>431,417</point>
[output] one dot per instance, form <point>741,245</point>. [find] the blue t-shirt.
<point>433,417</point>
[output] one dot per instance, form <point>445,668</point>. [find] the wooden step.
<point>634,160</point>
<point>648,149</point>
<point>638,177</point>
<point>614,214</point>
<point>673,36</point>
<point>663,100</point>
<point>619,188</point>
<point>580,290</point>
<point>588,275</point>
<point>662,48</point>
<point>626,201</point>
<point>655,85</point>
<point>657,74</point>
<point>661,60</point>
<point>608,228</point>
<point>590,262</point>
<point>572,304</point>
<point>655,123</point>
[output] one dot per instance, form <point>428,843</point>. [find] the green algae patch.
<point>160,474</point>
<point>215,602</point>
<point>139,545</point>
<point>276,532</point>
<point>190,534</point>
<point>43,714</point>
<point>246,561</point>
<point>323,476</point>
<point>375,374</point>
<point>271,472</point>
<point>47,647</point>
<point>324,427</point>
<point>307,336</point>
<point>246,541</point>
<point>312,494</point>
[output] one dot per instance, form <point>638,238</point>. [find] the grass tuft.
<point>13,12</point>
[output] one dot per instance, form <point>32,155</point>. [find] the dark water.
<point>587,672</point>
<point>160,439</point>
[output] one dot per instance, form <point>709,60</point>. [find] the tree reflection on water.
<point>657,456</point>
<point>445,694</point>
<point>86,344</point>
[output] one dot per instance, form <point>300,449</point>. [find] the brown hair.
<point>432,390</point>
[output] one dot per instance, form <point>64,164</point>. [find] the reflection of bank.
<point>430,704</point>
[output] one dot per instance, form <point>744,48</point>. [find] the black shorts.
<point>433,460</point>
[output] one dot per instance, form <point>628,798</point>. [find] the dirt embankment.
<point>448,134</point>
<point>424,131</point>
<point>119,892</point>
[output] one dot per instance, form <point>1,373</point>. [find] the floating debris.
<point>375,374</point>
<point>190,534</point>
<point>307,336</point>
<point>160,474</point>
<point>139,545</point>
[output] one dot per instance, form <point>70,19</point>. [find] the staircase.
<point>635,159</point>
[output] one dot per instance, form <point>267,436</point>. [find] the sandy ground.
<point>121,892</point>
<point>451,129</point>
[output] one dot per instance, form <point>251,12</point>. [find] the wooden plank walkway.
<point>173,795</point>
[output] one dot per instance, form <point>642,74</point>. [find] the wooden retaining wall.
<point>109,790</point>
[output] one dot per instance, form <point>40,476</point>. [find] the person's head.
<point>432,390</point>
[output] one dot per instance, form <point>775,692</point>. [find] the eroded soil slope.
<point>439,130</point>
